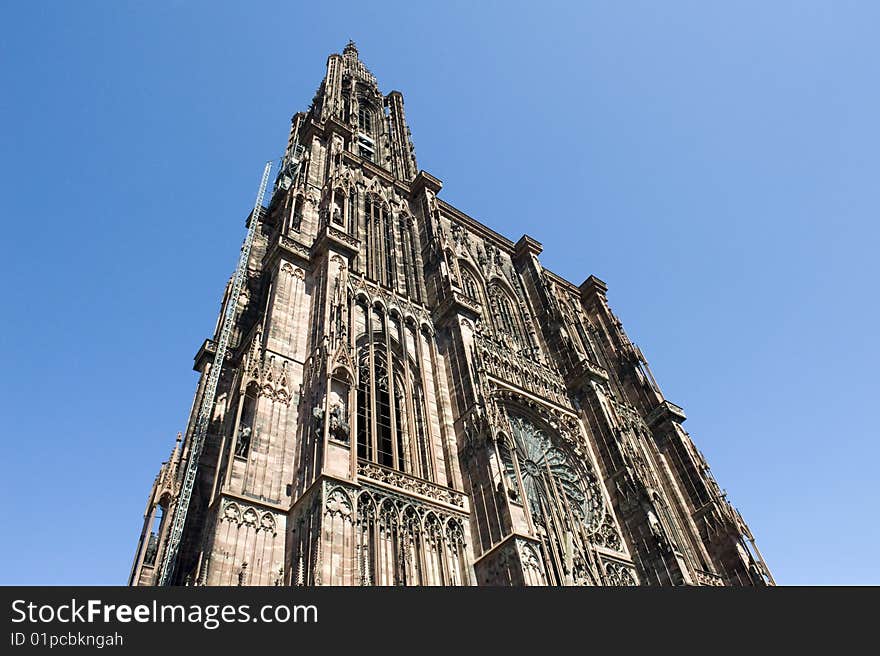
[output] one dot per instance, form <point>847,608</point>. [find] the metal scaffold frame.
<point>169,562</point>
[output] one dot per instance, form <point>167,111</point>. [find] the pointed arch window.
<point>384,432</point>
<point>364,408</point>
<point>392,417</point>
<point>411,545</point>
<point>388,254</point>
<point>424,456</point>
<point>353,210</point>
<point>365,118</point>
<point>469,284</point>
<point>401,419</point>
<point>507,321</point>
<point>578,320</point>
<point>156,527</point>
<point>408,255</point>
<point>381,252</point>
<point>366,140</point>
<point>405,254</point>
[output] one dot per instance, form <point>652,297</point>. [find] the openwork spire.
<point>355,67</point>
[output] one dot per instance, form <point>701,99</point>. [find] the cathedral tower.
<point>410,398</point>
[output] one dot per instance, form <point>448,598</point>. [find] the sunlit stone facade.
<point>414,399</point>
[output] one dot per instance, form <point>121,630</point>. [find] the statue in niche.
<point>552,293</point>
<point>318,415</point>
<point>511,487</point>
<point>580,575</point>
<point>339,320</point>
<point>339,428</point>
<point>338,312</point>
<point>508,483</point>
<point>242,574</point>
<point>244,441</point>
<point>654,524</point>
<point>152,548</point>
<point>658,531</point>
<point>481,258</point>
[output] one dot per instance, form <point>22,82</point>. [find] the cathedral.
<point>411,398</point>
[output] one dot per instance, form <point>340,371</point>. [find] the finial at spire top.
<point>350,48</point>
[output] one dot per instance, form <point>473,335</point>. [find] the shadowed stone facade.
<point>413,399</point>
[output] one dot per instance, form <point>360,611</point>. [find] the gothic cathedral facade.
<point>413,399</point>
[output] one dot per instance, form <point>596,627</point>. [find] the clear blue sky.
<point>716,164</point>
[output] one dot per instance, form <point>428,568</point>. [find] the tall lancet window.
<point>407,274</point>
<point>365,118</point>
<point>424,456</point>
<point>384,428</point>
<point>412,546</point>
<point>366,139</point>
<point>370,236</point>
<point>352,211</point>
<point>469,285</point>
<point>364,407</point>
<point>578,320</point>
<point>507,320</point>
<point>388,251</point>
<point>381,255</point>
<point>407,255</point>
<point>392,428</point>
